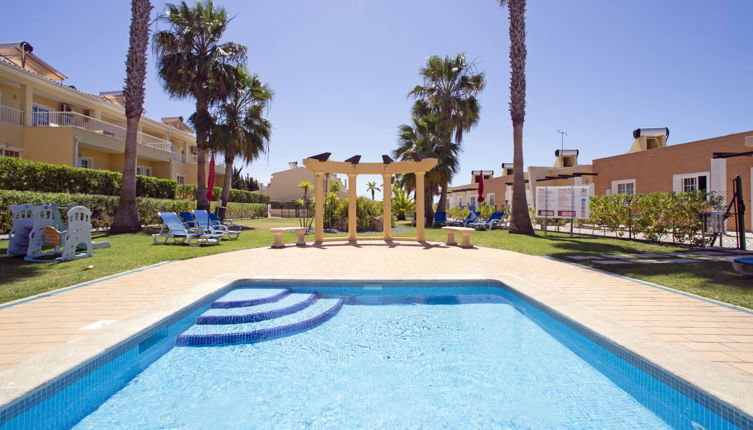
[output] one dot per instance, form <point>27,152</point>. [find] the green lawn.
<point>716,280</point>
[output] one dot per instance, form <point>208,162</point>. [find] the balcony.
<point>11,115</point>
<point>83,122</point>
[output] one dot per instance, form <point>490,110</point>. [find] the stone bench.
<point>278,231</point>
<point>465,231</point>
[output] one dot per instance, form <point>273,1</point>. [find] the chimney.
<point>566,158</point>
<point>293,164</point>
<point>649,138</point>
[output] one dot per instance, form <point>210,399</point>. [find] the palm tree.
<point>520,220</point>
<point>305,186</point>
<point>449,92</point>
<point>242,130</point>
<point>372,186</point>
<point>428,136</point>
<point>192,62</point>
<point>126,217</point>
<point>401,202</point>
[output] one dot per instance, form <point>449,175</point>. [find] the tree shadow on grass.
<point>593,245</point>
<point>14,269</point>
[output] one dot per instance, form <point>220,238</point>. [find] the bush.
<point>366,211</point>
<point>25,175</point>
<point>655,215</point>
<point>103,207</point>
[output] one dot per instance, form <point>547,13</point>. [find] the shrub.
<point>103,207</point>
<point>366,211</point>
<point>655,215</point>
<point>26,175</point>
<point>188,191</point>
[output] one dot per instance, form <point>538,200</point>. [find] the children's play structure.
<point>38,227</point>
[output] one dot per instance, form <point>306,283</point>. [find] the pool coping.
<point>724,384</point>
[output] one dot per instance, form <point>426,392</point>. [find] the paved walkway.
<point>706,343</point>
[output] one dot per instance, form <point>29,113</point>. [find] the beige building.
<point>44,119</point>
<point>283,186</point>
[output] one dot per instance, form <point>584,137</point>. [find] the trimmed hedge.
<point>26,175</point>
<point>103,207</point>
<point>188,191</point>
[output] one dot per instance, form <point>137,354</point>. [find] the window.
<point>180,179</point>
<point>626,188</point>
<point>86,162</point>
<point>490,199</point>
<point>183,155</point>
<point>144,170</point>
<point>40,116</point>
<point>10,153</point>
<point>690,182</point>
<point>623,186</point>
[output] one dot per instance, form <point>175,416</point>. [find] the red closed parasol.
<point>480,197</point>
<point>210,184</point>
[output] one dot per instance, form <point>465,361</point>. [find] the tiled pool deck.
<point>708,344</point>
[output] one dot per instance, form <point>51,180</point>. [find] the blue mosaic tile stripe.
<point>259,316</point>
<point>260,334</point>
<point>250,302</point>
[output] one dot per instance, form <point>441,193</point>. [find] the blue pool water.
<point>413,362</point>
<point>354,354</point>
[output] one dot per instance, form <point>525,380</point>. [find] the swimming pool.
<point>393,355</point>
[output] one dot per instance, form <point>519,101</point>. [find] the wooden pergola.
<point>352,167</point>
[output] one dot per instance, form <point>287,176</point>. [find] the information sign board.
<point>564,202</point>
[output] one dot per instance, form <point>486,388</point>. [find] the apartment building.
<point>650,165</point>
<point>283,185</point>
<point>43,119</point>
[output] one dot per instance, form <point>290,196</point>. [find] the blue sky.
<point>341,69</point>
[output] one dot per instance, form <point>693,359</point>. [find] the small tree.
<point>306,220</point>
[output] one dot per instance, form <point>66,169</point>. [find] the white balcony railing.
<point>77,120</point>
<point>11,115</point>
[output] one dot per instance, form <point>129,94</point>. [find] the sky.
<point>341,69</point>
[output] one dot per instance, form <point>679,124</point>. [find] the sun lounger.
<point>490,222</point>
<point>739,263</point>
<point>189,219</point>
<point>440,217</point>
<point>465,221</point>
<point>174,229</point>
<point>216,222</point>
<point>204,221</point>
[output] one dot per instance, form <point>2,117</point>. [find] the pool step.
<point>243,297</point>
<point>227,334</point>
<point>290,304</point>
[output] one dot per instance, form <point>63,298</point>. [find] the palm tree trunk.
<point>126,216</point>
<point>226,185</point>
<point>428,204</point>
<point>202,107</point>
<point>520,220</point>
<point>442,205</point>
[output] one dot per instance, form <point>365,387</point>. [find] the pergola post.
<point>352,198</point>
<point>420,213</point>
<point>319,194</point>
<point>387,204</point>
